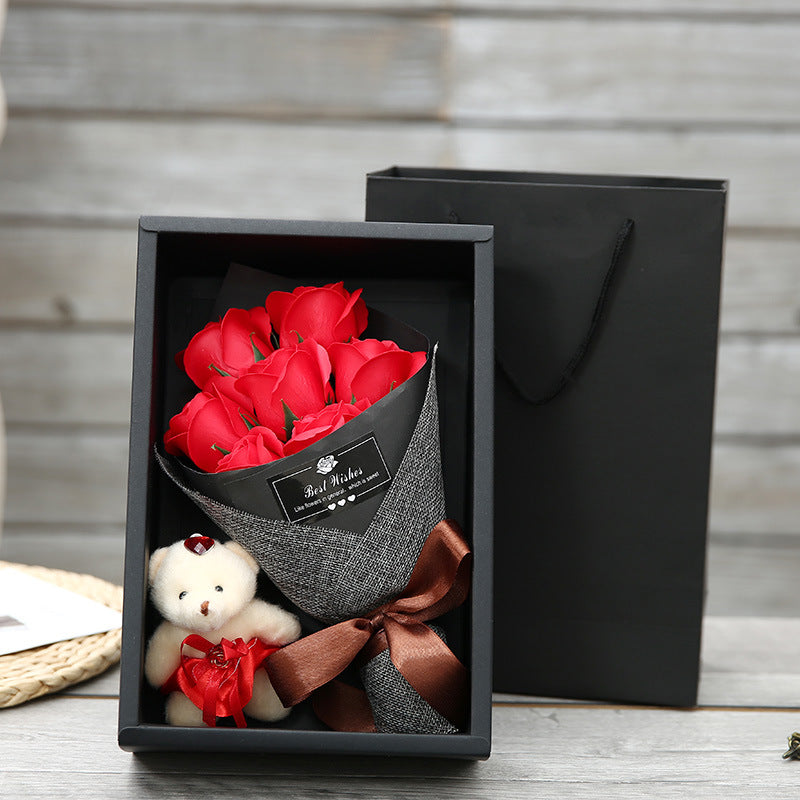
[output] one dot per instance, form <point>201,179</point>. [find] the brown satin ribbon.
<point>439,583</point>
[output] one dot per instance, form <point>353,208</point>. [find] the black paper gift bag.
<point>606,319</point>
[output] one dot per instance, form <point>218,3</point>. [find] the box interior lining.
<point>428,284</point>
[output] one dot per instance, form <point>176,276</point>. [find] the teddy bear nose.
<point>204,608</point>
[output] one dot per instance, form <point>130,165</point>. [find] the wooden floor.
<point>64,746</point>
<point>729,747</point>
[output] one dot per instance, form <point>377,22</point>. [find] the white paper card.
<point>34,612</point>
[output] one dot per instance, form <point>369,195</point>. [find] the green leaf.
<point>353,400</point>
<point>251,423</point>
<point>221,449</point>
<point>258,355</point>
<point>288,419</point>
<point>299,337</point>
<point>220,371</point>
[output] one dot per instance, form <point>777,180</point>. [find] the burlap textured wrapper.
<point>335,574</point>
<point>402,710</point>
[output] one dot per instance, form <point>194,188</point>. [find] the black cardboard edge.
<point>134,736</point>
<point>709,444</point>
<point>154,738</point>
<point>282,227</point>
<point>584,180</point>
<point>132,651</point>
<point>482,489</point>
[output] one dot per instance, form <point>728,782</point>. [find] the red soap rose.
<point>229,347</point>
<point>259,446</point>
<point>207,428</point>
<point>290,383</point>
<point>226,385</point>
<point>370,369</point>
<point>313,427</point>
<point>175,439</point>
<point>326,314</point>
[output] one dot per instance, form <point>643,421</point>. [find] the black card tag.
<point>334,481</point>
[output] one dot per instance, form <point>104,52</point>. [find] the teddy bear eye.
<point>218,588</point>
<point>182,595</point>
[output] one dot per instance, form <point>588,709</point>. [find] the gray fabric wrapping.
<point>335,574</point>
<point>396,706</point>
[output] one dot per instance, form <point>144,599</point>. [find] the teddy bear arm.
<point>270,623</point>
<point>163,654</point>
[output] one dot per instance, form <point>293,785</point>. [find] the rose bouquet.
<point>313,441</point>
<point>258,403</point>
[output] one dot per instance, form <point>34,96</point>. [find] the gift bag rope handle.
<point>623,236</point>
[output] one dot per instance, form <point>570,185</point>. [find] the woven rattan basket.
<point>33,673</point>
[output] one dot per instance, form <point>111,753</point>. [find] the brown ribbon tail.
<point>303,666</point>
<point>429,665</point>
<point>441,577</point>
<point>343,708</point>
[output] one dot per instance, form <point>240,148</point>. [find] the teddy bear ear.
<point>236,548</point>
<point>156,560</point>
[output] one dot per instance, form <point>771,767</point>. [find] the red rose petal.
<point>346,360</point>
<point>216,423</point>
<point>348,357</point>
<point>301,388</point>
<point>296,376</point>
<point>316,350</point>
<point>227,347</point>
<point>259,387</point>
<point>328,313</point>
<point>260,446</point>
<point>234,333</point>
<point>313,427</point>
<point>353,319</point>
<point>418,360</point>
<point>203,350</point>
<point>277,304</point>
<point>239,331</point>
<point>378,376</point>
<point>313,314</point>
<point>225,386</point>
<point>175,438</point>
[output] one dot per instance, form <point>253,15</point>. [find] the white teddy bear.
<point>205,590</point>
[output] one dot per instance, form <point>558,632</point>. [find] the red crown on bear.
<point>198,544</point>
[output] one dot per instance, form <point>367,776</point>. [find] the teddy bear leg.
<point>264,704</point>
<point>180,710</point>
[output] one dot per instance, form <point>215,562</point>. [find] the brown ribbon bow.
<point>439,583</point>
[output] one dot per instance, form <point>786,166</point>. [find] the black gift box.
<point>607,298</point>
<point>437,279</point>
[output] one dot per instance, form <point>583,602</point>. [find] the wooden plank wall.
<point>278,109</point>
